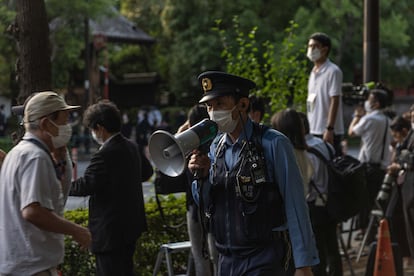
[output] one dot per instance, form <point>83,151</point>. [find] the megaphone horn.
<point>168,152</point>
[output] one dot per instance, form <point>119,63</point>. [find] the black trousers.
<point>268,261</point>
<point>325,230</point>
<point>375,176</point>
<point>117,262</point>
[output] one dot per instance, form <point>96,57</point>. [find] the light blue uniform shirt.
<point>282,169</point>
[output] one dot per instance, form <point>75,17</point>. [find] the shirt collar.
<point>375,112</point>
<point>109,139</point>
<point>29,135</point>
<point>323,67</point>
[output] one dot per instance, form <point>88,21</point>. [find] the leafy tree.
<point>68,31</point>
<point>278,69</point>
<point>8,53</point>
<point>186,41</point>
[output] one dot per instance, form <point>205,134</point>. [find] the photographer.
<point>372,125</point>
<point>403,170</point>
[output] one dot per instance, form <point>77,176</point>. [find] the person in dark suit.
<point>113,181</point>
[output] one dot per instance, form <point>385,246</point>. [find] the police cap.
<point>216,84</point>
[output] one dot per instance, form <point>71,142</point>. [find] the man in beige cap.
<point>33,191</point>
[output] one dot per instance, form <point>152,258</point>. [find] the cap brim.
<point>17,109</point>
<point>72,107</point>
<point>214,94</point>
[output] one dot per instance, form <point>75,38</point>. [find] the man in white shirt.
<point>373,126</point>
<point>324,103</point>
<point>33,191</point>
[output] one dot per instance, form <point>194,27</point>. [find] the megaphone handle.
<point>196,175</point>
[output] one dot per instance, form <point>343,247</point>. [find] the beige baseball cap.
<point>43,104</point>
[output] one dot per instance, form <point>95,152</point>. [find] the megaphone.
<point>169,152</point>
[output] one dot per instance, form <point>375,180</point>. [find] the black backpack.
<point>347,187</point>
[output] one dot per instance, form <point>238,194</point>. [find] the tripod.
<point>344,249</point>
<point>376,215</point>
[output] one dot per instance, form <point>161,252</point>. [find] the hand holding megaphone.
<point>169,152</point>
<point>199,164</point>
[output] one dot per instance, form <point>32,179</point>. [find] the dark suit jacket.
<point>116,204</point>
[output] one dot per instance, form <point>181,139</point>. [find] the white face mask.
<point>96,138</point>
<point>224,120</point>
<point>367,106</point>
<point>313,54</point>
<point>63,137</point>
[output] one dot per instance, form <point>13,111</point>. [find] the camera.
<point>406,160</point>
<point>385,191</point>
<point>356,94</point>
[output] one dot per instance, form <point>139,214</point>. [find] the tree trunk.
<point>34,65</point>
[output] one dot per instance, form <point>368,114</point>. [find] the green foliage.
<point>279,69</point>
<point>79,263</point>
<point>186,44</point>
<point>67,34</point>
<point>77,10</point>
<point>127,59</point>
<point>8,53</point>
<point>6,144</point>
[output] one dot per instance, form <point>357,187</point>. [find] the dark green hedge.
<point>6,143</point>
<point>81,263</point>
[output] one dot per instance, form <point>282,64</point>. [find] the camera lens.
<point>384,194</point>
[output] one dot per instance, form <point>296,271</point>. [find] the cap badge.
<point>207,85</point>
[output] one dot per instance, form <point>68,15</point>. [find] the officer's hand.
<point>199,162</point>
<point>304,271</point>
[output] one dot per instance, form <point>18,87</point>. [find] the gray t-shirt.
<point>28,176</point>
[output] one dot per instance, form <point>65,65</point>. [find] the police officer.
<point>253,189</point>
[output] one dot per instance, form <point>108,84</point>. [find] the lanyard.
<point>58,170</point>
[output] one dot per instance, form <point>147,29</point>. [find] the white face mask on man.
<point>224,120</point>
<point>313,54</point>
<point>63,137</point>
<point>368,106</point>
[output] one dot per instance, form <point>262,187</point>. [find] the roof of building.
<point>118,28</point>
<point>114,27</point>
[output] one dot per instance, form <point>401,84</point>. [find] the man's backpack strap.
<point>320,155</point>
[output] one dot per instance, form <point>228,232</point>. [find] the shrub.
<point>79,263</point>
<point>6,144</point>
